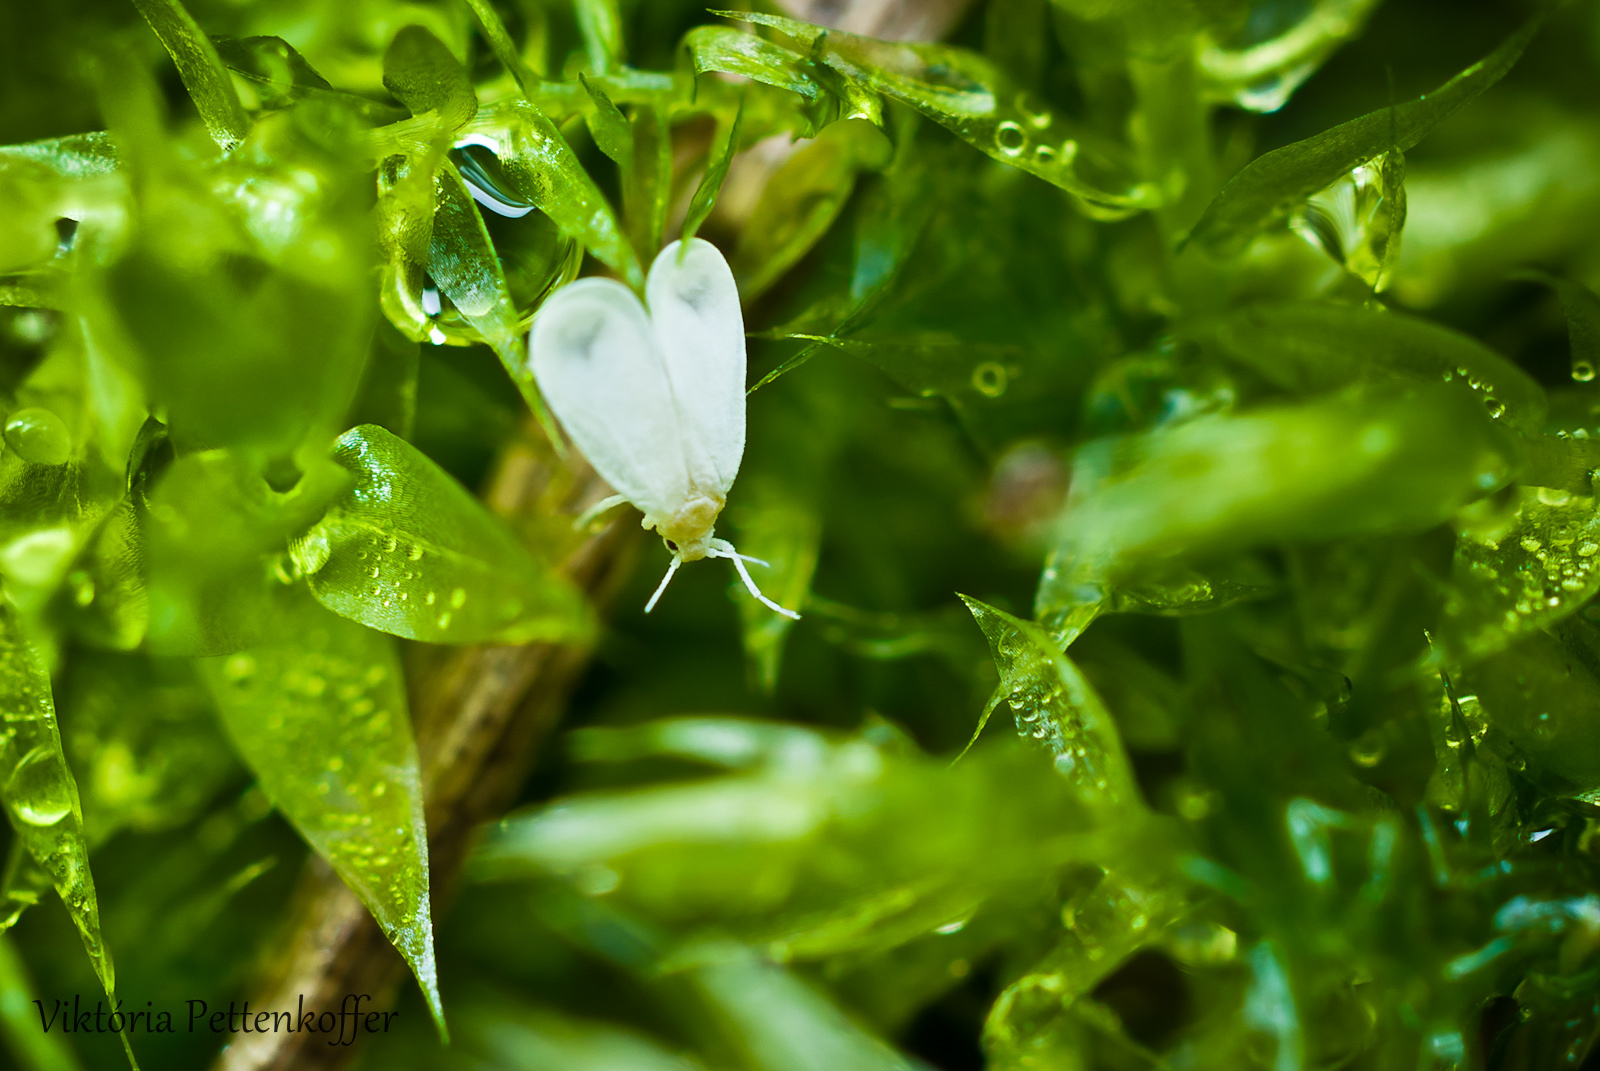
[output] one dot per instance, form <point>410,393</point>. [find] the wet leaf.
<point>322,722</point>
<point>965,93</point>
<point>608,126</point>
<point>407,550</point>
<point>38,789</point>
<point>1055,705</point>
<point>1273,185</point>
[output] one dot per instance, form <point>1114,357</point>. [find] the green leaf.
<point>608,126</point>
<point>201,69</point>
<point>1054,704</point>
<point>38,1050</point>
<point>1530,573</point>
<point>1313,347</point>
<point>322,722</point>
<point>600,26</point>
<point>802,200</point>
<point>462,261</point>
<point>1582,307</point>
<point>649,180</point>
<point>731,51</point>
<point>407,550</point>
<point>1340,467</point>
<point>1274,185</point>
<point>705,194</point>
<point>37,787</point>
<point>423,75</point>
<point>782,526</point>
<point>966,94</point>
<point>505,50</point>
<point>537,160</point>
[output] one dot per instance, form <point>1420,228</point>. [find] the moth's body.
<point>655,399</point>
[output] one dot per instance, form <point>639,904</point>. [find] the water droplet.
<point>457,598</point>
<point>239,668</point>
<point>1010,138</point>
<point>82,587</point>
<point>444,619</point>
<point>415,553</point>
<point>1368,748</point>
<point>39,437</point>
<point>1582,371</point>
<point>38,788</point>
<point>1034,110</point>
<point>1496,407</point>
<point>989,379</point>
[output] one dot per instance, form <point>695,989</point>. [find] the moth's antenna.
<point>725,550</point>
<point>673,568</point>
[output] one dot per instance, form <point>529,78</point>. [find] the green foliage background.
<point>1209,384</point>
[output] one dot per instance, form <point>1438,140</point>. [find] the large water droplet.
<point>1582,371</point>
<point>38,788</point>
<point>39,437</point>
<point>1010,138</point>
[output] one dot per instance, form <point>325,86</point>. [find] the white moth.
<point>655,399</point>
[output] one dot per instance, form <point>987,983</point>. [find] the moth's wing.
<point>595,360</point>
<point>694,306</point>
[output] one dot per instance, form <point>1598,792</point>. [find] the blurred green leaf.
<point>1274,184</point>
<point>600,25</point>
<point>407,550</point>
<point>802,201</point>
<point>322,721</point>
<point>34,1050</point>
<point>37,787</point>
<point>647,183</point>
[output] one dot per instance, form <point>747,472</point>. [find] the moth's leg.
<point>744,574</point>
<point>589,515</point>
<point>673,568</point>
<point>721,548</point>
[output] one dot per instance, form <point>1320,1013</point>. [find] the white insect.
<point>655,400</point>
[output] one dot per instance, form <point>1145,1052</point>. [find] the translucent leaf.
<point>778,1023</point>
<point>600,25</point>
<point>1261,75</point>
<point>37,787</point>
<point>811,846</point>
<point>144,733</point>
<point>1582,307</point>
<point>1311,347</point>
<point>1528,574</point>
<point>966,94</point>
<point>608,126</point>
<point>1316,472</point>
<point>522,1038</point>
<point>705,194</point>
<point>424,76</point>
<point>538,160</point>
<point>505,50</point>
<point>802,200</point>
<point>37,1050</point>
<point>648,182</point>
<point>1054,704</point>
<point>1357,221</point>
<point>201,69</point>
<point>782,528</point>
<point>462,261</point>
<point>279,76</point>
<point>722,48</point>
<point>407,550</point>
<point>1273,185</point>
<point>322,722</point>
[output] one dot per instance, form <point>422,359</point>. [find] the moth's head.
<point>687,532</point>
